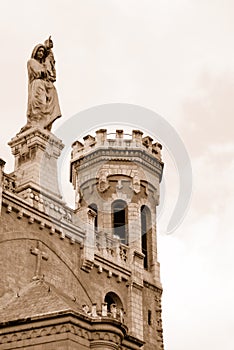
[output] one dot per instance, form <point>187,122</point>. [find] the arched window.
<point>112,298</point>
<point>145,234</point>
<point>120,220</point>
<point>93,206</point>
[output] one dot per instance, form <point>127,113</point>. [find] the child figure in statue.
<point>50,61</point>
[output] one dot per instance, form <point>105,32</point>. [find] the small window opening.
<point>119,213</point>
<point>109,300</point>
<point>145,231</point>
<point>93,206</point>
<point>112,298</point>
<point>149,317</point>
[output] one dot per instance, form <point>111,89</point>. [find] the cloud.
<point>207,112</point>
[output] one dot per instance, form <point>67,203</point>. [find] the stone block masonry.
<point>36,152</point>
<point>80,276</point>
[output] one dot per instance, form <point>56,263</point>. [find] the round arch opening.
<point>113,298</point>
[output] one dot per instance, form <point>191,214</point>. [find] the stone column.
<point>134,223</point>
<point>135,287</point>
<point>154,264</point>
<point>89,243</point>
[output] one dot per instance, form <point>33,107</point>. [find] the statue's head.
<point>39,52</point>
<point>48,43</point>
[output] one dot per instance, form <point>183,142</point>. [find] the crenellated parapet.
<point>104,158</point>
<point>120,141</point>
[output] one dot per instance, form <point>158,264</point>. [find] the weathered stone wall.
<point>18,265</point>
<point>152,317</point>
<point>41,239</point>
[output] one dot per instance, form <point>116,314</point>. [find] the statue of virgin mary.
<point>43,105</point>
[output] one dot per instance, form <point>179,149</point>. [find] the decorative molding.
<point>107,264</point>
<point>22,210</point>
<point>103,183</point>
<point>9,183</point>
<point>104,155</point>
<point>45,204</point>
<point>41,332</point>
<point>156,288</point>
<point>87,265</point>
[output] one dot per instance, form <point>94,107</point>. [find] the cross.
<point>40,255</point>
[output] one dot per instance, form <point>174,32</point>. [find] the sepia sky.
<point>175,57</point>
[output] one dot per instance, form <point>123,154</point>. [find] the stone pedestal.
<point>36,152</point>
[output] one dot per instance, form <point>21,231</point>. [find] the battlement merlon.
<point>121,141</point>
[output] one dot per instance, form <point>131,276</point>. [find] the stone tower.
<point>116,180</point>
<point>86,278</point>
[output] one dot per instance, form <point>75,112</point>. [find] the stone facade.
<point>87,278</point>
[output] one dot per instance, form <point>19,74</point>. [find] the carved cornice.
<point>29,331</point>
<point>130,155</point>
<point>156,288</point>
<point>132,343</point>
<point>65,229</point>
<point>112,265</point>
<point>36,134</point>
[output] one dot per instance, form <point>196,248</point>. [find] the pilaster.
<point>89,242</point>
<point>2,163</point>
<point>135,310</point>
